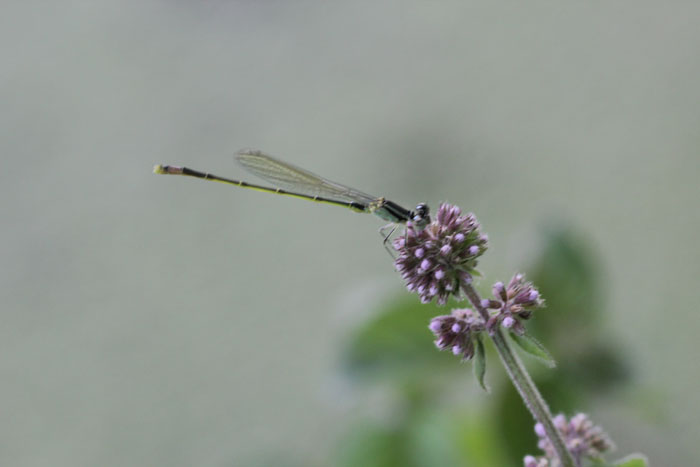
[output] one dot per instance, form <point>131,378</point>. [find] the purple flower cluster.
<point>582,437</point>
<point>435,260</point>
<point>513,302</point>
<point>456,331</point>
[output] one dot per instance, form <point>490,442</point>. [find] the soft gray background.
<point>149,320</point>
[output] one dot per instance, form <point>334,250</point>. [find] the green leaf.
<point>633,460</point>
<point>475,436</point>
<point>372,445</point>
<point>568,275</point>
<point>480,362</point>
<point>395,343</point>
<point>532,346</point>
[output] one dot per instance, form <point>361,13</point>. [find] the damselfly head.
<point>421,216</point>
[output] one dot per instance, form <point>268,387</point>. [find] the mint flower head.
<point>582,438</point>
<point>512,303</point>
<point>456,331</point>
<point>437,259</point>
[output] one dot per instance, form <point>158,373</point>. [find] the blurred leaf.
<point>568,276</point>
<point>633,460</point>
<point>396,343</point>
<point>423,439</point>
<point>373,446</point>
<point>430,439</point>
<point>533,347</point>
<point>436,436</point>
<point>480,362</point>
<point>598,368</point>
<point>477,439</point>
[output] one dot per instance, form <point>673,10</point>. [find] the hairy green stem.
<point>523,383</point>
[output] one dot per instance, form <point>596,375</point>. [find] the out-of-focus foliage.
<point>395,349</point>
<point>427,436</point>
<point>396,343</point>
<point>634,460</point>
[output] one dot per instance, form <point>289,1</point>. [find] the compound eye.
<point>420,216</point>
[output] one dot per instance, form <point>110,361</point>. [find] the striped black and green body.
<point>175,170</point>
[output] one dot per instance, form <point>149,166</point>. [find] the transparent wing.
<point>290,177</point>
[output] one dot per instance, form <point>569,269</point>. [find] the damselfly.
<point>296,182</point>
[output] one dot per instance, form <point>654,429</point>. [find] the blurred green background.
<point>149,320</point>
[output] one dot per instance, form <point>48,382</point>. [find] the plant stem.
<point>523,383</point>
